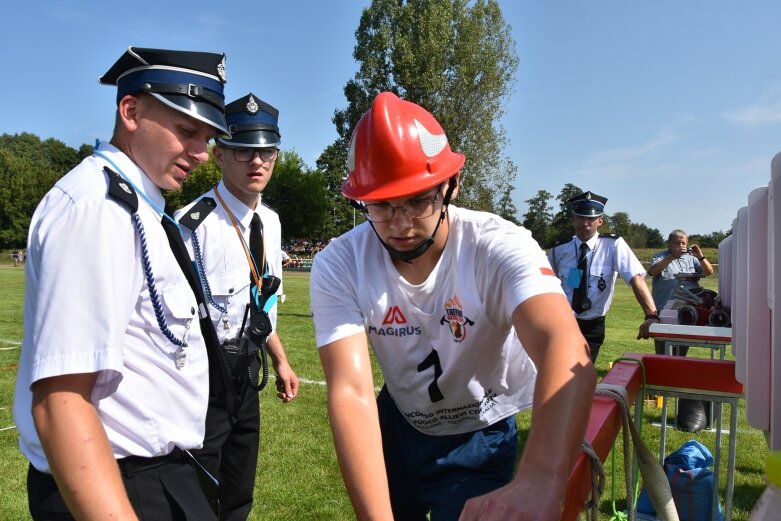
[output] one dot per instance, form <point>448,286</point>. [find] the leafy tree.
<point>710,240</point>
<point>23,182</point>
<point>561,228</point>
<point>84,152</point>
<point>60,156</point>
<point>299,197</point>
<point>295,193</point>
<point>620,224</point>
<point>201,180</point>
<point>454,57</point>
<point>507,209</point>
<point>28,169</point>
<point>332,165</point>
<point>645,237</point>
<point>539,216</point>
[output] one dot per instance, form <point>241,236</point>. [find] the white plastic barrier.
<point>774,299</point>
<point>750,282</point>
<point>757,382</point>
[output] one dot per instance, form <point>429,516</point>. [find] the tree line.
<point>456,58</point>
<point>307,200</point>
<point>548,226</point>
<point>29,167</point>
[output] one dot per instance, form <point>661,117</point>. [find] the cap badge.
<point>221,70</point>
<point>252,106</point>
<point>432,144</point>
<point>195,216</point>
<point>588,196</point>
<point>124,187</point>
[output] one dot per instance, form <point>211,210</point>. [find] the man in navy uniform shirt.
<point>588,264</point>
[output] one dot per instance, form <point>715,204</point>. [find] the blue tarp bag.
<point>691,483</point>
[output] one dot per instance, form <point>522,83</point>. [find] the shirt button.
<point>192,311</point>
<point>230,291</point>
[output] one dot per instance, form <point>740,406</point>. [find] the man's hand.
<point>523,499</point>
<point>696,251</point>
<point>287,383</point>
<point>644,328</point>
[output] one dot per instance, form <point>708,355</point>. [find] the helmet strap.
<point>420,249</point>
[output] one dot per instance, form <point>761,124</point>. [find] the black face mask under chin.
<point>420,249</point>
<point>408,256</point>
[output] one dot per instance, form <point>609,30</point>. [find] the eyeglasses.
<point>418,208</point>
<point>245,155</point>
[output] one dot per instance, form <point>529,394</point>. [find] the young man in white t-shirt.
<point>462,310</point>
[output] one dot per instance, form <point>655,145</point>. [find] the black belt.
<point>135,464</point>
<point>591,320</point>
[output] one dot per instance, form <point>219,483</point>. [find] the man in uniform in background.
<point>588,264</point>
<point>114,373</point>
<point>237,248</point>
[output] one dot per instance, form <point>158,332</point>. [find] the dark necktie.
<point>256,247</point>
<point>580,295</point>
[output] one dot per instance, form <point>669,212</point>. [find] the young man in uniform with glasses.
<point>462,311</point>
<point>115,367</point>
<point>235,241</point>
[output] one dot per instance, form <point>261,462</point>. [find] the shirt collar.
<point>240,211</point>
<point>132,172</point>
<point>592,242</point>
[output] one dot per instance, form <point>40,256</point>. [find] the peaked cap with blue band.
<point>588,204</point>
<point>252,123</point>
<point>187,81</point>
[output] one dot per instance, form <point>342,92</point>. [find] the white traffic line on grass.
<point>311,382</point>
<point>15,344</point>
<point>323,384</point>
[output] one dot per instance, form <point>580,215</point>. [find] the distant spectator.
<point>16,257</point>
<point>677,258</point>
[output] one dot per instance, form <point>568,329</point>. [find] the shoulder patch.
<point>193,218</point>
<point>609,236</point>
<point>120,190</point>
<point>562,241</point>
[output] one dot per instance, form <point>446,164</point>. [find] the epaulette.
<point>196,215</point>
<point>561,241</point>
<point>121,190</point>
<point>609,236</point>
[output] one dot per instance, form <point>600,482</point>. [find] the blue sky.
<point>670,108</point>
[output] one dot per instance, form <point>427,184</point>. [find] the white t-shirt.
<point>225,261</point>
<point>448,351</point>
<point>87,309</point>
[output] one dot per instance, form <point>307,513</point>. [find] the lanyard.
<point>180,355</point>
<point>250,260</point>
<point>590,254</point>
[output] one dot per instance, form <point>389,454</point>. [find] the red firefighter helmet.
<point>397,149</point>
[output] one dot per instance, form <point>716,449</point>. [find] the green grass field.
<point>297,476</point>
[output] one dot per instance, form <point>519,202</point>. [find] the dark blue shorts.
<point>438,474</point>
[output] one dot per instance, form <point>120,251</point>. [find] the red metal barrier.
<point>605,421</point>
